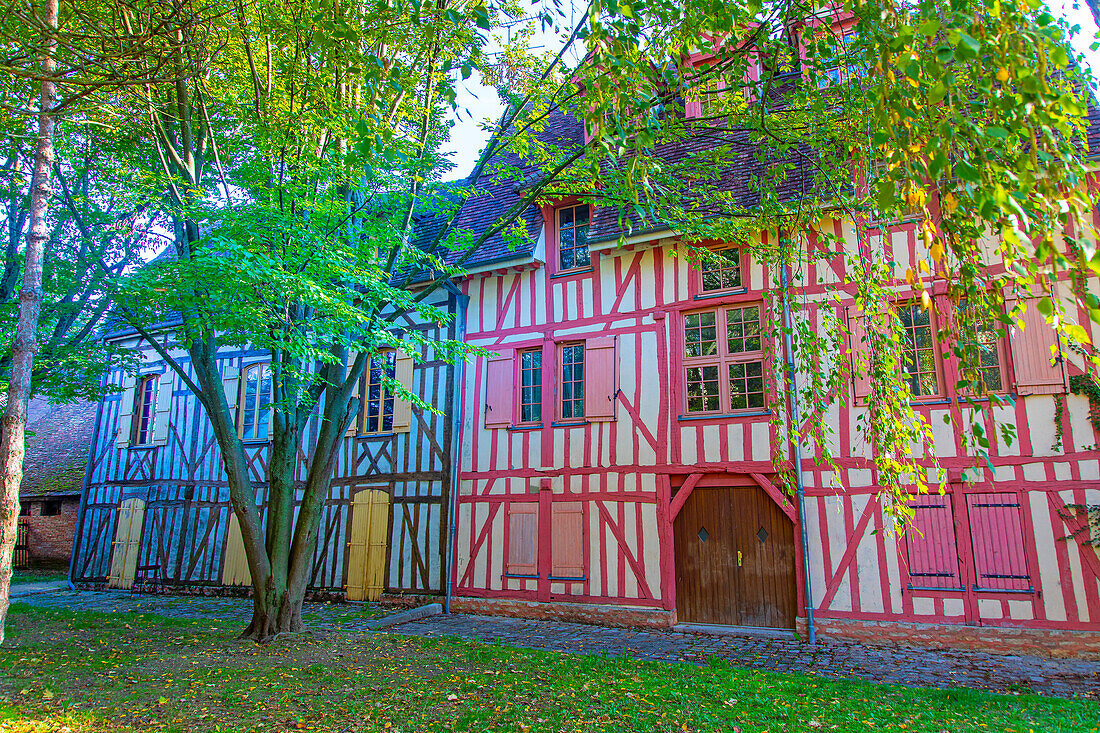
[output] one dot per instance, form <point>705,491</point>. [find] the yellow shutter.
<point>126,544</point>
<point>370,515</point>
<point>232,384</point>
<point>163,408</point>
<point>353,426</point>
<point>126,412</point>
<point>402,409</point>
<point>235,565</point>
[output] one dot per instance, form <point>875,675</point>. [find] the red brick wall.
<point>50,539</point>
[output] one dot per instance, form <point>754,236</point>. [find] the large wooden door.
<point>127,544</point>
<point>370,518</point>
<point>734,559</point>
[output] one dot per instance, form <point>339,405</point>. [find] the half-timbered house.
<point>156,509</point>
<point>619,459</point>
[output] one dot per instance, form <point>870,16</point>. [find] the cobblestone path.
<point>839,660</point>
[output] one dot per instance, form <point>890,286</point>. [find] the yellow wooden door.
<point>235,565</point>
<point>126,544</point>
<point>370,516</point>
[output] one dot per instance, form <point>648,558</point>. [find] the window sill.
<point>522,577</point>
<point>142,446</point>
<point>721,293</point>
<point>524,427</point>
<point>365,436</point>
<point>724,415</point>
<point>570,273</point>
<point>1013,591</point>
<point>569,424</point>
<point>568,579</point>
<point>931,589</point>
<point>932,401</point>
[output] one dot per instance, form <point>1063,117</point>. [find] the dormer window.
<point>572,230</point>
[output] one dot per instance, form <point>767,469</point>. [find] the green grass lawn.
<point>37,575</point>
<point>63,671</point>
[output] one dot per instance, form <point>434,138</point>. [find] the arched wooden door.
<point>370,519</point>
<point>126,544</point>
<point>734,559</point>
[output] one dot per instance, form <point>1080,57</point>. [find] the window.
<point>523,540</point>
<point>572,381</point>
<point>144,404</point>
<point>919,366</point>
<point>722,271</point>
<point>51,508</point>
<point>709,90</point>
<point>379,403</point>
<point>996,530</point>
<point>573,237</point>
<point>930,544</point>
<point>878,170</point>
<point>981,348</point>
<point>256,404</point>
<point>836,70</point>
<point>530,390</point>
<point>723,360</point>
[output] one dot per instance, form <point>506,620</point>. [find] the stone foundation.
<point>582,613</point>
<point>994,639</point>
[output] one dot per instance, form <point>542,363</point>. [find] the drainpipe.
<point>78,535</point>
<point>796,421</point>
<point>458,383</point>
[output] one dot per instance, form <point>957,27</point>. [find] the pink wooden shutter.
<point>861,383</point>
<point>523,543</point>
<point>499,391</point>
<point>997,532</point>
<point>1034,374</point>
<point>601,378</point>
<point>933,554</point>
<point>566,540</point>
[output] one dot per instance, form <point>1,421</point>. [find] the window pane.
<point>919,350</point>
<point>746,385</point>
<point>701,334</point>
<point>743,329</point>
<point>572,381</point>
<point>723,273</point>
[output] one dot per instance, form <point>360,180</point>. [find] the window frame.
<point>561,366</point>
<point>536,404</point>
<point>145,408</point>
<point>723,358</point>
<point>937,357</point>
<point>386,396</point>
<point>1002,349</point>
<point>556,213</point>
<point>264,369</point>
<point>701,272</point>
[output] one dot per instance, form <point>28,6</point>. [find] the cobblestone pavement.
<point>839,660</point>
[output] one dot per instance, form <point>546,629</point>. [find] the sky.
<point>480,103</point>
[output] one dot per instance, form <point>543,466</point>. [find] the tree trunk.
<point>12,443</point>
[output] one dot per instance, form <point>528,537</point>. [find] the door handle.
<point>738,558</point>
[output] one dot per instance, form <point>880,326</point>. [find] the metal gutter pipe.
<point>78,535</point>
<point>796,420</point>
<point>458,383</point>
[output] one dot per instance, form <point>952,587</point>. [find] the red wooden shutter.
<point>1034,373</point>
<point>601,378</point>
<point>997,532</point>
<point>499,391</point>
<point>523,538</point>
<point>933,554</point>
<point>859,353</point>
<point>566,539</point>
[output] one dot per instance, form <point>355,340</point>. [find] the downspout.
<point>458,384</point>
<point>78,535</point>
<point>796,444</point>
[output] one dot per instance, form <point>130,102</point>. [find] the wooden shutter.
<point>164,407</point>
<point>127,544</point>
<point>859,353</point>
<point>601,378</point>
<point>370,516</point>
<point>500,392</point>
<point>235,563</point>
<point>1031,352</point>
<point>126,411</point>
<point>353,426</point>
<point>231,382</point>
<point>523,538</point>
<point>933,554</point>
<point>566,539</point>
<point>402,409</point>
<point>997,533</point>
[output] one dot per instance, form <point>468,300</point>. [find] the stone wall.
<point>50,538</point>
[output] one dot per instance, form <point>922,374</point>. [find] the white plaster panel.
<point>943,434</point>
<point>630,536</point>
<point>761,442</point>
<point>735,440</point>
<point>688,453</point>
<point>648,286</point>
<point>923,606</point>
<point>989,608</point>
<point>1034,472</point>
<point>1089,470</point>
<point>1004,473</point>
<point>838,538</point>
<point>1004,415</point>
<point>1021,610</point>
<point>1040,410</point>
<point>859,477</point>
<point>587,302</point>
<point>595,568</point>
<point>868,572</point>
<point>1050,580</point>
<point>814,544</point>
<point>1062,471</point>
<point>952,607</point>
<point>1077,410</point>
<point>712,443</point>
